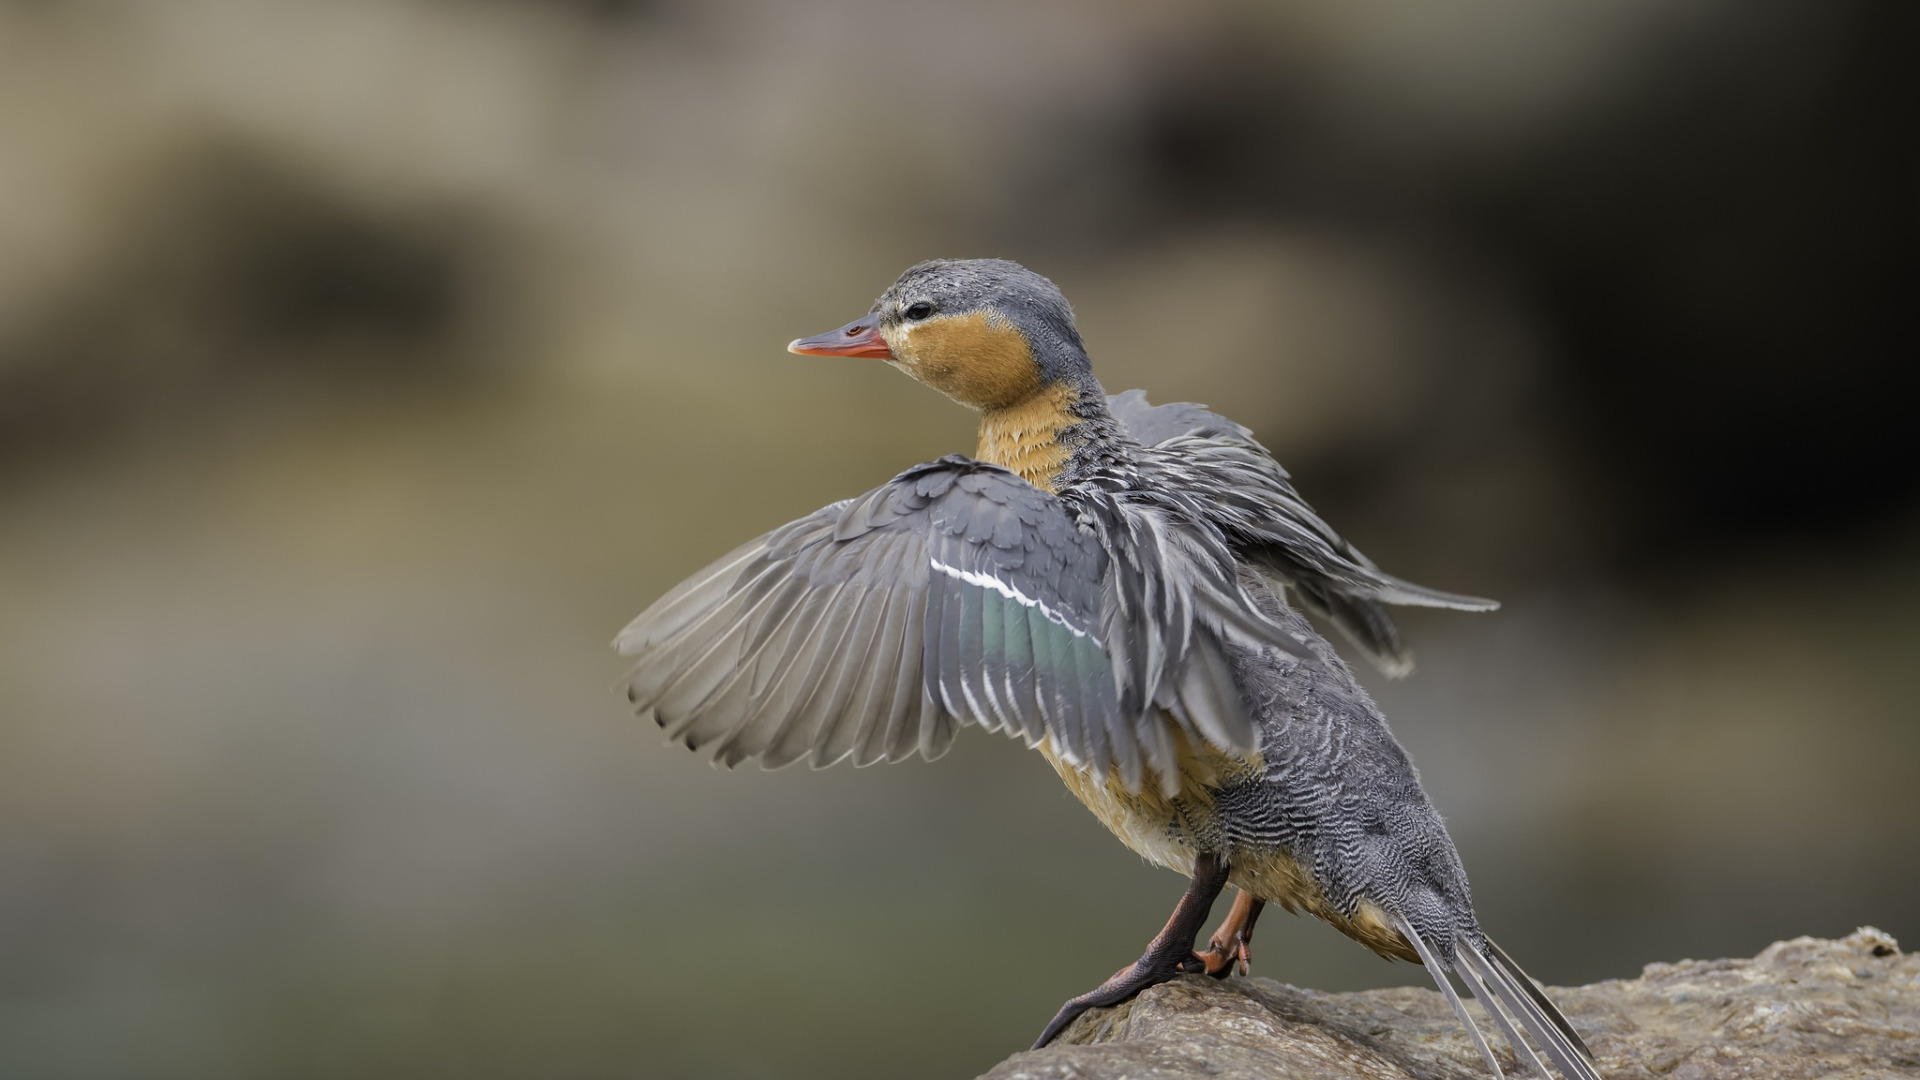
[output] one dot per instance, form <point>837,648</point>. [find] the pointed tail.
<point>1512,1001</point>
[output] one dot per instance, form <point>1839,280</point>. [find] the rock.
<point>1843,1010</point>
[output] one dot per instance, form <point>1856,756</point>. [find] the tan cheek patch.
<point>976,359</point>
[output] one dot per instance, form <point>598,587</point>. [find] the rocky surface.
<point>1803,1008</point>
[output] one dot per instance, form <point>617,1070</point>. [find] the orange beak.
<point>861,337</point>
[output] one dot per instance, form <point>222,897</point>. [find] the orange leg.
<point>1231,941</point>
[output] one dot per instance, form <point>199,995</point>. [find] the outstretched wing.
<point>1252,501</point>
<point>955,594</point>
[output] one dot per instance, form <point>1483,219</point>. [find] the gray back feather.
<point>1340,795</point>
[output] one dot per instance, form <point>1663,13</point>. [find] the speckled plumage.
<point>1108,584</point>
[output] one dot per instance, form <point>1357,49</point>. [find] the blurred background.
<point>366,364</point>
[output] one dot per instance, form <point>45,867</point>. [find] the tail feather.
<point>1477,973</point>
<point>1446,988</point>
<point>1512,1001</point>
<point>1510,992</point>
<point>1559,1019</point>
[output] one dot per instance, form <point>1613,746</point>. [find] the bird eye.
<point>918,310</point>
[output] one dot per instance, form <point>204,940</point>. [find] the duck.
<point>1124,587</point>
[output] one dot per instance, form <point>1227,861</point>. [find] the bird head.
<point>987,333</point>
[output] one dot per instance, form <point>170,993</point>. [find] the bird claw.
<point>1232,942</point>
<point>1219,958</point>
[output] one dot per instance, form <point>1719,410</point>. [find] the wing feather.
<point>1078,682</point>
<point>1211,699</point>
<point>679,656</point>
<point>971,648</point>
<point>956,594</point>
<point>722,718</point>
<point>867,689</point>
<point>1020,685</point>
<point>1253,501</point>
<point>945,610</point>
<point>890,739</point>
<point>670,614</point>
<point>933,733</point>
<point>794,727</point>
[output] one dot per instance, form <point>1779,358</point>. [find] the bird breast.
<point>1026,438</point>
